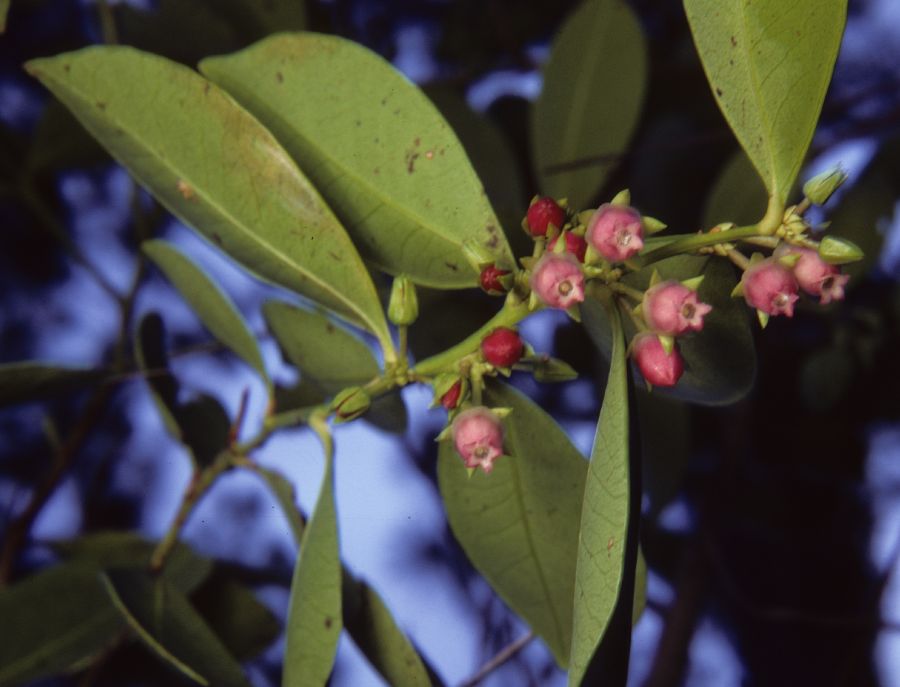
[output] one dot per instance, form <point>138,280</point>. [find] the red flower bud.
<point>478,437</point>
<point>558,281</point>
<point>815,276</point>
<point>490,280</point>
<point>542,213</point>
<point>575,244</point>
<point>672,308</point>
<point>771,287</point>
<point>616,232</point>
<point>450,399</point>
<point>502,347</point>
<point>658,367</point>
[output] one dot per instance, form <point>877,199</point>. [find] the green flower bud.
<point>403,307</point>
<point>547,369</point>
<point>350,403</point>
<point>820,187</point>
<point>837,251</point>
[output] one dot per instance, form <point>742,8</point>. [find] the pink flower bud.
<point>575,244</point>
<point>450,399</point>
<point>478,437</point>
<point>771,287</point>
<point>502,347</point>
<point>542,213</point>
<point>616,232</point>
<point>558,281</point>
<point>491,280</point>
<point>816,276</point>
<point>658,367</point>
<point>672,308</point>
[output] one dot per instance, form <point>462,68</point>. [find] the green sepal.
<point>403,306</point>
<point>533,301</point>
<point>549,369</point>
<point>623,197</point>
<point>584,217</point>
<point>655,278</point>
<point>693,283</point>
<point>470,472</point>
<point>652,225</point>
<point>788,260</point>
<point>819,189</point>
<point>838,251</point>
<point>559,248</point>
<point>444,434</point>
<point>738,290</point>
<point>763,318</point>
<point>591,256</point>
<point>574,313</point>
<point>667,342</point>
<point>349,404</point>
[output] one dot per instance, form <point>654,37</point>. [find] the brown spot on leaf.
<point>206,88</point>
<point>411,158</point>
<point>186,190</point>
<point>217,238</point>
<point>101,104</point>
<point>452,265</point>
<point>719,92</point>
<point>429,155</point>
<point>67,68</point>
<point>279,77</point>
<point>417,141</point>
<point>376,171</point>
<point>610,544</point>
<point>328,623</point>
<point>334,255</point>
<point>733,42</point>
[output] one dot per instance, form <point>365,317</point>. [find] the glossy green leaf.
<point>214,308</point>
<point>31,380</point>
<point>604,517</point>
<point>314,613</point>
<point>720,361</point>
<point>375,632</point>
<point>52,620</point>
<point>738,196</point>
<point>594,85</point>
<point>166,622</point>
<point>185,569</point>
<point>245,626</point>
<point>216,168</point>
<point>519,525</point>
<point>377,149</point>
<point>769,63</point>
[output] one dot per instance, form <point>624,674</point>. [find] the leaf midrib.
<point>215,208</point>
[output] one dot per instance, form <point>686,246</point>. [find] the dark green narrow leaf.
<point>214,308</point>
<point>218,169</point>
<point>374,631</point>
<point>166,622</point>
<point>519,525</point>
<point>32,380</point>
<point>375,146</point>
<point>590,105</point>
<point>314,613</point>
<point>53,620</point>
<point>769,63</point>
<point>600,576</point>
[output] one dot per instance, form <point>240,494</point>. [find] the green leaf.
<point>604,517</point>
<point>377,149</point>
<point>737,195</point>
<point>314,613</point>
<point>375,632</point>
<point>31,380</point>
<point>640,588</point>
<point>284,494</point>
<point>769,63</point>
<point>245,626</point>
<point>216,168</point>
<point>54,619</point>
<point>214,308</point>
<point>519,525</point>
<point>166,622</point>
<point>4,9</point>
<point>185,569</point>
<point>594,85</point>
<point>720,361</point>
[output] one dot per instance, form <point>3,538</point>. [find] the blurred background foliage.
<point>772,526</point>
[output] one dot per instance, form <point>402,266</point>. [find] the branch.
<point>504,655</point>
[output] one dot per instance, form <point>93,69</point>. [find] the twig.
<point>505,654</point>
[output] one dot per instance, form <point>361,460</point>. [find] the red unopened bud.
<point>490,280</point>
<point>657,367</point>
<point>575,244</point>
<point>478,437</point>
<point>616,232</point>
<point>815,276</point>
<point>450,399</point>
<point>770,287</point>
<point>502,347</point>
<point>558,281</point>
<point>542,213</point>
<point>672,308</point>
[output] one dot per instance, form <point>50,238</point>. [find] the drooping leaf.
<point>243,624</point>
<point>166,622</point>
<point>31,380</point>
<point>214,308</point>
<point>603,531</point>
<point>640,588</point>
<point>519,524</point>
<point>720,361</point>
<point>769,63</point>
<point>185,569</point>
<point>314,613</point>
<point>52,620</point>
<point>375,632</point>
<point>737,196</point>
<point>375,146</point>
<point>594,85</point>
<point>218,169</point>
